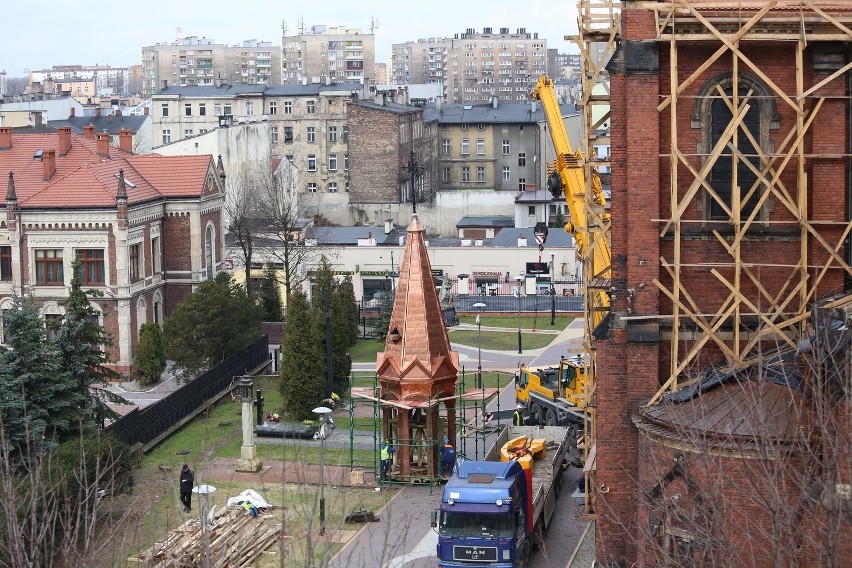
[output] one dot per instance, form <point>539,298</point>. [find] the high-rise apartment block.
<point>338,54</point>
<point>192,61</point>
<point>474,67</point>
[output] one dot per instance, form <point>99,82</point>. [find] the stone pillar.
<point>248,461</point>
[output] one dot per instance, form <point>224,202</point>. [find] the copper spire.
<point>417,345</point>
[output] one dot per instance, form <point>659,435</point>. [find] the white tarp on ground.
<point>251,496</point>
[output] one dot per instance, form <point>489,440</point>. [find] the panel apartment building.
<point>192,61</point>
<point>101,80</point>
<point>337,54</point>
<point>474,66</point>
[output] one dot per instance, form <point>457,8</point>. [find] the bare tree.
<point>750,467</point>
<point>245,217</point>
<point>288,246</point>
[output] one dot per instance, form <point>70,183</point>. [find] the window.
<point>332,162</point>
<point>217,109</point>
<point>332,134</point>
<point>346,134</point>
<point>507,173</point>
<point>522,159</point>
<point>48,264</point>
<point>312,107</point>
<point>312,187</point>
<point>164,109</point>
<point>167,136</point>
<point>288,107</point>
<point>465,146</point>
<point>531,210</point>
<point>249,108</point>
<point>505,147</point>
<point>480,146</point>
<point>92,270</point>
<point>228,109</point>
<point>465,173</point>
<point>5,263</point>
<point>155,255</point>
<point>288,134</point>
<point>274,131</point>
<point>312,134</point>
<point>445,144</point>
<point>480,173</point>
<point>273,107</point>
<point>480,126</point>
<point>346,162</point>
<point>312,163</point>
<point>202,109</point>
<point>52,324</point>
<point>209,259</point>
<point>135,262</point>
<point>715,116</point>
<point>522,184</point>
<point>187,109</point>
<point>332,187</point>
<point>187,133</point>
<point>445,174</point>
<point>465,126</point>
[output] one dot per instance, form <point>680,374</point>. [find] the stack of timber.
<point>236,539</point>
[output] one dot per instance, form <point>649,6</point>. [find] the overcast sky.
<point>39,35</point>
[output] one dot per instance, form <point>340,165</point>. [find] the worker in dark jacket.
<point>448,457</point>
<point>518,417</point>
<point>187,480</point>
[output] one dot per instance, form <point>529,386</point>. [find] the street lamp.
<point>520,279</point>
<point>322,412</point>
<point>552,291</point>
<point>479,306</point>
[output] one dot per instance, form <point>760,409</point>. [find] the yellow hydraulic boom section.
<point>589,222</point>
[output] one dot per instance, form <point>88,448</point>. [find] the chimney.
<point>388,226</point>
<point>494,102</point>
<point>48,160</point>
<point>89,131</point>
<point>37,118</point>
<point>125,140</point>
<point>64,140</point>
<point>118,112</point>
<point>103,144</point>
<point>97,112</point>
<point>5,137</point>
<point>73,112</point>
<point>146,111</point>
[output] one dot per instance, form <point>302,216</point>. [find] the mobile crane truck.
<point>555,395</point>
<point>494,511</point>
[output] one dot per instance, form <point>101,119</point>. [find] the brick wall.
<point>374,155</point>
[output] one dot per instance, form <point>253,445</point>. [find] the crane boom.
<point>589,222</point>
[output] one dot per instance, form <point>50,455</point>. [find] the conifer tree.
<point>270,295</point>
<point>303,359</point>
<point>40,399</point>
<point>81,343</point>
<point>150,359</point>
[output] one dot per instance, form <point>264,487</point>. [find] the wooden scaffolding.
<point>744,323</point>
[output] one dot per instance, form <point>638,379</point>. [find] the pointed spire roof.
<point>417,344</point>
<point>220,168</point>
<point>10,192</point>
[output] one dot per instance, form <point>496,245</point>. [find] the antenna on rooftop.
<point>177,33</point>
<point>301,25</point>
<point>374,25</point>
<point>284,27</point>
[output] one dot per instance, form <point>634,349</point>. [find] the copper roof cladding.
<point>736,415</point>
<point>422,350</point>
<point>84,179</point>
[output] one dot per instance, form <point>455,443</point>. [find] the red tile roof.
<point>84,179</point>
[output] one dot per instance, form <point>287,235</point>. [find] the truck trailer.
<point>495,511</point>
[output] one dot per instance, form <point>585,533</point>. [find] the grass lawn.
<point>542,321</point>
<point>501,340</point>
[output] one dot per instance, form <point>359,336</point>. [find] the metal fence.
<point>144,425</point>
<point>529,303</point>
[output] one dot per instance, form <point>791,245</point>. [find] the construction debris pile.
<point>235,539</point>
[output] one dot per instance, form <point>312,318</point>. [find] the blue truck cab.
<point>491,511</point>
